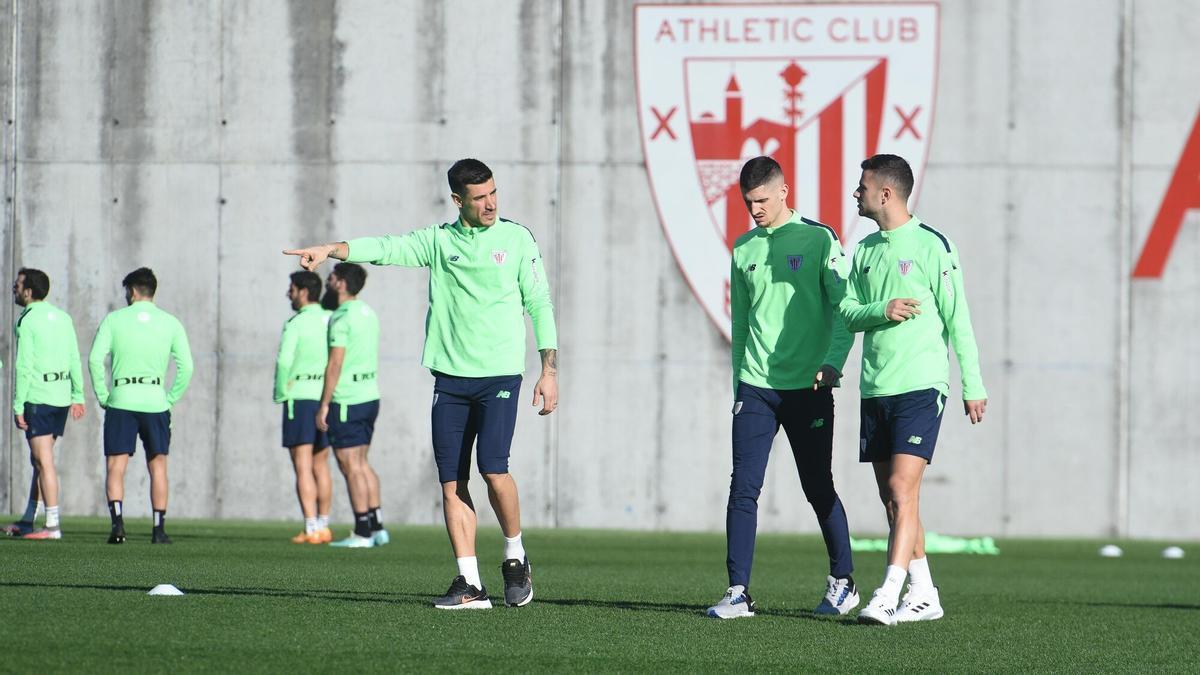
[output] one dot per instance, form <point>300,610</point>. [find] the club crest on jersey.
<point>795,261</point>
<point>817,87</point>
<point>499,257</point>
<point>905,267</point>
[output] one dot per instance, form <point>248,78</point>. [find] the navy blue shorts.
<point>122,428</point>
<point>300,425</point>
<point>470,408</point>
<point>351,425</point>
<point>45,420</point>
<point>904,424</point>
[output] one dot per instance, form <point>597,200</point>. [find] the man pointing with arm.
<point>485,273</point>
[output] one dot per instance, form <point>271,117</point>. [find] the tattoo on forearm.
<point>550,360</point>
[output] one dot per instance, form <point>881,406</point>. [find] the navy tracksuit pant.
<point>807,418</point>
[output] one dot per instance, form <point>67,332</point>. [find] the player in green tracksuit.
<point>787,277</point>
<point>350,401</point>
<point>299,376</point>
<point>48,387</point>
<point>485,273</point>
<point>905,293</point>
<point>141,339</point>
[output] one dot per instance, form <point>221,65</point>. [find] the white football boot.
<point>841,596</point>
<point>735,605</point>
<point>881,610</point>
<point>920,604</point>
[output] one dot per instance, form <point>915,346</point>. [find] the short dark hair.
<point>892,170</point>
<point>141,280</point>
<point>308,282</point>
<point>467,172</point>
<point>36,282</point>
<point>354,276</point>
<point>758,172</point>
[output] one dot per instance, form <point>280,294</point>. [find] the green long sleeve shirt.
<point>786,283</point>
<point>481,281</point>
<point>47,368</point>
<point>140,337</point>
<point>303,354</point>
<point>355,327</point>
<point>911,261</point>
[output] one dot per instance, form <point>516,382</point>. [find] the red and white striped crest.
<point>819,87</point>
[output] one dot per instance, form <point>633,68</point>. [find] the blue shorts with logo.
<point>123,427</point>
<point>351,425</point>
<point>470,409</point>
<point>45,420</point>
<point>300,425</point>
<point>903,424</point>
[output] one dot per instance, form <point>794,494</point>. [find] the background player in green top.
<point>906,295</point>
<point>485,273</point>
<point>299,376</point>
<point>787,277</point>
<point>141,339</point>
<point>48,386</point>
<point>349,402</point>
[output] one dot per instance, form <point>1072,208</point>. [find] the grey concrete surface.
<point>201,137</point>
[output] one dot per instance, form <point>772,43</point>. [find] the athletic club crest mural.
<point>819,87</point>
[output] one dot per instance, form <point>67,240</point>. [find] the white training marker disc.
<point>1172,553</point>
<point>165,589</point>
<point>1110,551</point>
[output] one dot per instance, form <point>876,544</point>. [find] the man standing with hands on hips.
<point>485,273</point>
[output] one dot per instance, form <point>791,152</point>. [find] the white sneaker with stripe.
<point>881,610</point>
<point>920,604</point>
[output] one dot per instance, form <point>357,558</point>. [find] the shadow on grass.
<point>1136,605</point>
<point>351,596</point>
<point>423,600</point>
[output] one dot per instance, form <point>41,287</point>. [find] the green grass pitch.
<point>604,601</point>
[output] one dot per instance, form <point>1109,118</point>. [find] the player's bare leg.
<point>41,456</point>
<point>114,481</point>
<point>899,483</point>
<point>352,462</point>
<point>156,464</point>
<point>461,522</point>
<point>306,483</point>
<point>502,493</point>
<point>324,482</point>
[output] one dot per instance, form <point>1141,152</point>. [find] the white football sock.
<point>323,522</point>
<point>469,568</point>
<point>893,580</point>
<point>310,525</point>
<point>513,548</point>
<point>51,517</point>
<point>918,573</point>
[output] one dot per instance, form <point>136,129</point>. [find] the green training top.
<point>785,286</point>
<point>140,337</point>
<point>911,261</point>
<point>303,354</point>
<point>47,369</point>
<point>355,327</point>
<point>480,280</point>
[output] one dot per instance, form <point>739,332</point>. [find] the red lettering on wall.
<point>1182,194</point>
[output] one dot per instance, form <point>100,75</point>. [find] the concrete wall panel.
<point>329,120</point>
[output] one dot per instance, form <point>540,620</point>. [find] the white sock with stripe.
<point>310,525</point>
<point>51,517</point>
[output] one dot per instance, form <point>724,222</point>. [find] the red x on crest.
<point>664,122</point>
<point>907,122</point>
